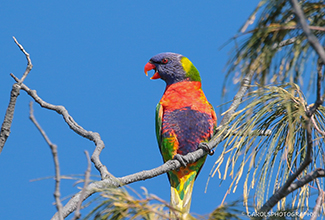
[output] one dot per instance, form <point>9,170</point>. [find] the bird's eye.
<point>164,61</point>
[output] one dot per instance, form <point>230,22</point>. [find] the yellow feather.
<point>187,64</point>
<point>182,205</point>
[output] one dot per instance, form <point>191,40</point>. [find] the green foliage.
<point>276,50</point>
<point>227,212</point>
<point>118,204</point>
<point>269,137</point>
<point>266,140</point>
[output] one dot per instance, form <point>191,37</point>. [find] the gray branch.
<point>93,136</point>
<point>6,125</point>
<point>294,186</point>
<point>77,213</point>
<point>54,151</point>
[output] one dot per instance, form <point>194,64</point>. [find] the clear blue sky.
<point>89,56</point>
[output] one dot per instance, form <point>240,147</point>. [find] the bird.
<point>184,119</point>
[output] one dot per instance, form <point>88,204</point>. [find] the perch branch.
<point>168,166</point>
<point>54,151</point>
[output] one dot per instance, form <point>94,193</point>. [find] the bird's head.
<point>172,68</point>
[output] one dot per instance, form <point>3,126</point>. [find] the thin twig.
<point>29,62</point>
<point>319,202</point>
<point>77,214</point>
<point>54,151</point>
<point>6,125</point>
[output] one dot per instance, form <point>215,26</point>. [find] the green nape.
<point>190,69</point>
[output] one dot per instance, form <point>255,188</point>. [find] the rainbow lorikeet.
<point>184,118</point>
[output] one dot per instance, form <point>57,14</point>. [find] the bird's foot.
<point>204,146</point>
<point>181,159</point>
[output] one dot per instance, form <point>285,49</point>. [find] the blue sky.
<point>89,56</point>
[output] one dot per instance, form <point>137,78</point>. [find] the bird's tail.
<point>181,191</point>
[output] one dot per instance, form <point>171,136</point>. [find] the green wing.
<point>159,115</point>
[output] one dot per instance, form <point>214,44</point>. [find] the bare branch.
<point>29,62</point>
<point>6,125</point>
<point>77,214</point>
<point>93,136</point>
<point>54,151</point>
<point>310,36</point>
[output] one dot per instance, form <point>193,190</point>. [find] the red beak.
<point>149,66</point>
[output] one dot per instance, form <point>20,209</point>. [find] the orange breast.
<point>185,94</point>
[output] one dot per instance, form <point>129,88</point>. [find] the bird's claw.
<point>204,146</point>
<point>181,159</point>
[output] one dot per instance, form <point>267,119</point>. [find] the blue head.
<point>172,68</point>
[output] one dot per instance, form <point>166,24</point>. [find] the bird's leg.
<point>181,159</point>
<point>184,161</point>
<point>204,146</point>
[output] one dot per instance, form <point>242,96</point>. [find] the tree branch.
<point>29,62</point>
<point>93,136</point>
<point>54,151</point>
<point>305,27</point>
<point>283,192</point>
<point>319,100</point>
<point>6,125</point>
<point>319,202</point>
<point>168,166</point>
<point>77,214</point>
